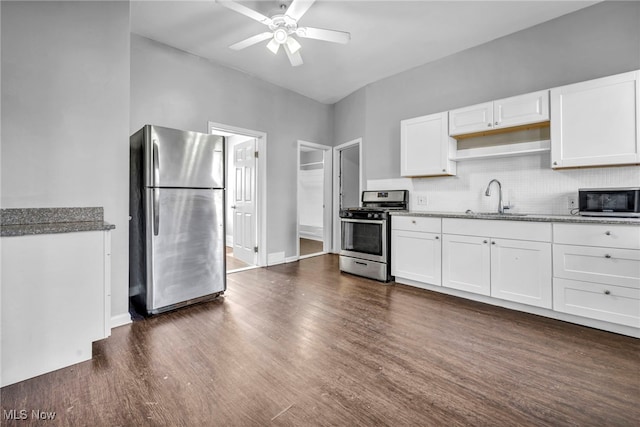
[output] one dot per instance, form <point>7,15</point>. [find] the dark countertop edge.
<point>526,218</point>
<point>54,228</point>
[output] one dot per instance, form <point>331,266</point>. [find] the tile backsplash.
<point>529,185</point>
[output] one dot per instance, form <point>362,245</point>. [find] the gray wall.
<point>597,41</point>
<point>65,114</point>
<point>172,88</point>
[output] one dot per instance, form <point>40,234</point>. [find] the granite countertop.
<point>527,217</point>
<point>29,221</point>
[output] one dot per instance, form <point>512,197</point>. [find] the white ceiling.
<point>387,37</point>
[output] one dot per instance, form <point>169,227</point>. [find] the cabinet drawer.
<point>619,267</point>
<point>518,230</point>
<point>612,236</point>
<point>597,301</point>
<point>416,223</point>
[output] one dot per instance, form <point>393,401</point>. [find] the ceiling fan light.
<point>273,46</point>
<point>293,45</point>
<point>280,35</point>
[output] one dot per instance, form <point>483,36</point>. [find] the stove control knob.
<point>369,215</point>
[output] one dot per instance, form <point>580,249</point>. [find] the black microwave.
<point>620,202</point>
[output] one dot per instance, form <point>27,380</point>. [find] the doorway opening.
<point>314,199</point>
<point>245,196</point>
<point>347,181</point>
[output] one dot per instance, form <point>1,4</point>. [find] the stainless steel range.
<point>365,247</point>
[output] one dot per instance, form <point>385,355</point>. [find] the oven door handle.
<point>366,221</point>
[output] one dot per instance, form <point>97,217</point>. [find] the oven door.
<point>364,239</point>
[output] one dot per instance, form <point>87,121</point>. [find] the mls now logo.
<point>23,414</point>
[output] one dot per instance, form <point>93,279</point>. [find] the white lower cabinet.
<point>597,272</point>
<point>521,271</point>
<point>416,256</point>
<point>466,263</point>
<point>416,249</point>
<point>52,313</point>
<point>610,303</point>
<point>583,273</point>
<point>495,262</point>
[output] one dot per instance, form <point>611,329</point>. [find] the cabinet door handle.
<point>493,242</point>
<point>496,123</point>
<point>555,163</point>
<point>608,233</point>
<point>488,124</point>
<point>413,221</point>
<point>607,256</point>
<point>607,292</point>
<point>484,241</point>
<point>437,237</point>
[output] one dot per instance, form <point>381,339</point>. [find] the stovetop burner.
<point>378,204</point>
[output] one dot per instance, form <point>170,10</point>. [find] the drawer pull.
<point>607,256</point>
<point>608,233</point>
<point>493,242</point>
<point>484,241</point>
<point>437,237</point>
<point>607,292</point>
<point>413,221</point>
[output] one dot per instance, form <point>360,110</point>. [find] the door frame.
<point>336,185</point>
<point>327,187</point>
<point>260,182</point>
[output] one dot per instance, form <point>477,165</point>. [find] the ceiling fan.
<point>283,27</point>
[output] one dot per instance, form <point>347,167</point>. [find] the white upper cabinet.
<point>425,146</point>
<point>595,123</point>
<point>476,118</point>
<point>503,113</point>
<point>521,110</point>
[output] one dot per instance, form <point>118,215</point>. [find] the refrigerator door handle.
<point>156,191</point>
<point>156,211</point>
<point>156,165</point>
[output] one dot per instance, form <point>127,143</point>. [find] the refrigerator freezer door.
<point>185,244</point>
<point>184,159</point>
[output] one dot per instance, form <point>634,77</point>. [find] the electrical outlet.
<point>422,200</point>
<point>572,202</point>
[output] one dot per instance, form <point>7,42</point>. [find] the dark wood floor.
<point>234,263</point>
<point>300,344</point>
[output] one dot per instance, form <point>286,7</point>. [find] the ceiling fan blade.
<point>251,41</point>
<point>326,35</point>
<point>298,8</point>
<point>294,58</point>
<point>237,7</point>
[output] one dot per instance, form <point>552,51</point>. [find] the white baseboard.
<point>291,259</point>
<point>275,258</point>
<point>120,320</point>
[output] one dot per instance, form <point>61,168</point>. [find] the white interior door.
<point>244,201</point>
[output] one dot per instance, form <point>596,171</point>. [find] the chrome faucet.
<point>488,193</point>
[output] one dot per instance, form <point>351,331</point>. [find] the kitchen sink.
<point>499,214</point>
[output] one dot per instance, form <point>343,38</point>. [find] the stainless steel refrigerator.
<point>176,230</point>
